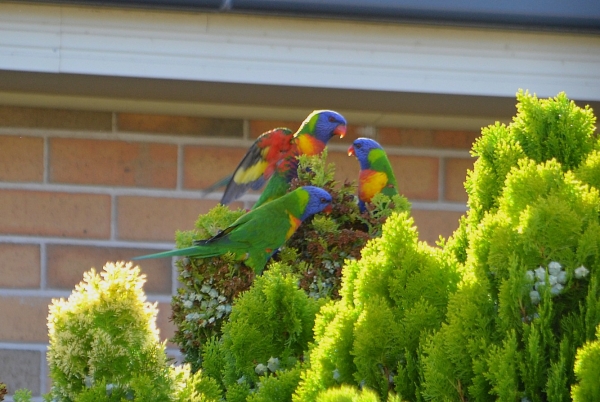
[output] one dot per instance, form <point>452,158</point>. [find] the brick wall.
<point>80,188</point>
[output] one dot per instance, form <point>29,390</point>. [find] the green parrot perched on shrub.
<point>256,235</point>
<point>310,139</point>
<point>272,147</point>
<point>376,174</point>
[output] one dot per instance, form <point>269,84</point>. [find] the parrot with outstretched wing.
<point>257,166</point>
<point>310,139</point>
<point>376,174</point>
<point>261,160</point>
<point>255,236</point>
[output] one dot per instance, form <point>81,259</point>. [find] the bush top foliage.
<point>104,345</point>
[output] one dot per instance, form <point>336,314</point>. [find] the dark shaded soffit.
<point>572,15</point>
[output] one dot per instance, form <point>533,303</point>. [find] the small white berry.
<point>561,277</point>
<point>535,296</point>
<point>581,272</point>
<point>273,364</point>
<point>540,273</point>
<point>554,268</point>
<point>260,369</point>
<point>556,289</point>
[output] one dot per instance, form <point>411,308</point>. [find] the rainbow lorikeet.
<point>310,139</point>
<point>255,236</point>
<point>376,174</point>
<point>260,161</point>
<point>257,166</point>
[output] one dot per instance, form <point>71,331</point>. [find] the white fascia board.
<point>297,51</point>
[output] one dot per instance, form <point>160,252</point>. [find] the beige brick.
<point>14,116</point>
<point>54,214</point>
<point>21,159</point>
<point>19,266</point>
<point>21,369</point>
<point>257,127</point>
<point>352,132</point>
<point>403,137</point>
<point>165,326</point>
<point>24,319</point>
<point>157,219</point>
<point>433,224</point>
<point>454,139</point>
<point>455,176</point>
<point>187,125</point>
<point>346,167</point>
<point>66,265</point>
<point>113,163</point>
<point>417,176</point>
<point>203,165</point>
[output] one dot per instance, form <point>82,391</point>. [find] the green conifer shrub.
<point>391,298</point>
<point>268,330</point>
<point>587,367</point>
<point>347,393</point>
<point>529,256</point>
<point>104,345</point>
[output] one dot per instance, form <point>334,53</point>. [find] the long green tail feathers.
<point>198,251</point>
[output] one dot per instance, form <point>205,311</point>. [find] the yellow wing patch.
<point>252,173</point>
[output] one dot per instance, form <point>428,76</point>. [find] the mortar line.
<point>441,178</point>
<point>46,161</point>
<point>57,294</point>
<point>246,129</point>
<point>113,218</point>
<point>40,347</point>
<point>180,156</point>
<point>20,239</point>
<point>43,265</point>
<point>43,372</point>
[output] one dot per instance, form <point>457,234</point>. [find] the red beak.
<point>328,209</point>
<point>340,130</point>
<point>351,151</point>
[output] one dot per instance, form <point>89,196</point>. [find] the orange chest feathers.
<point>370,182</point>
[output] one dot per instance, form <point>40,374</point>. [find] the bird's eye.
<point>358,145</point>
<point>323,200</point>
<point>331,119</point>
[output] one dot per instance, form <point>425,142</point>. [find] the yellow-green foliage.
<point>531,251</point>
<point>347,393</point>
<point>269,326</point>
<point>394,295</point>
<point>587,370</point>
<point>104,344</point>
